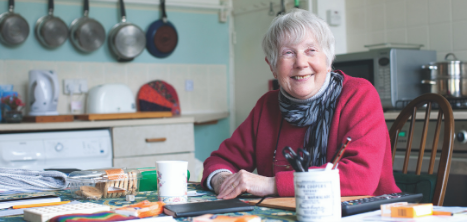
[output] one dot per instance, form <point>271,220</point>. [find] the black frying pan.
<point>161,37</point>
<point>126,40</point>
<point>14,29</point>
<point>51,31</point>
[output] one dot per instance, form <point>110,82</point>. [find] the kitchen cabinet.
<point>137,142</point>
<point>142,146</point>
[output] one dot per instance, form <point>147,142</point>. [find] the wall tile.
<point>218,90</point>
<point>418,35</point>
<point>353,4</point>
<point>17,72</point>
<point>3,73</point>
<point>374,2</point>
<point>459,35</point>
<point>375,38</point>
<point>441,54</point>
<point>93,73</point>
<point>459,10</point>
<point>68,70</point>
<point>115,73</point>
<point>137,76</point>
<point>157,72</point>
<point>440,37</point>
<point>461,55</point>
<point>440,10</point>
<point>375,18</point>
<point>395,14</point>
<point>396,36</point>
<point>417,12</point>
<point>210,81</point>
<point>355,43</point>
<point>177,76</point>
<point>200,95</point>
<point>356,21</point>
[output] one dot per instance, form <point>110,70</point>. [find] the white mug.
<point>318,195</point>
<point>171,181</point>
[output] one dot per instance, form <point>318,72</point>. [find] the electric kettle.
<point>43,93</point>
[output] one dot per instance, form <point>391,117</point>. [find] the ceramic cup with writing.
<point>318,195</point>
<point>171,181</point>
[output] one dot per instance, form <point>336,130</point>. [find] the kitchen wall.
<point>251,21</point>
<point>202,55</point>
<point>437,24</point>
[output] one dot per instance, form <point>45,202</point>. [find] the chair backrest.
<point>426,101</point>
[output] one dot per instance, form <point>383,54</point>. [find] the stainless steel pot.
<point>14,29</point>
<point>448,78</point>
<point>87,34</point>
<point>126,40</point>
<point>51,31</point>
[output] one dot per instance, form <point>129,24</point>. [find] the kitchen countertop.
<point>458,114</point>
<point>78,124</point>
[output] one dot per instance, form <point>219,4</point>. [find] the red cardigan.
<point>365,168</point>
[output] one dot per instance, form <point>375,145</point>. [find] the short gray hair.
<point>293,28</point>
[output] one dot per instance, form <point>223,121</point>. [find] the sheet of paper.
<point>376,216</point>
<point>11,212</point>
<point>194,193</point>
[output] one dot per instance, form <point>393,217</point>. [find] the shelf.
<point>201,118</point>
<point>458,115</point>
<point>203,4</point>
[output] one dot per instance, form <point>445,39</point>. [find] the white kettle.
<point>43,93</point>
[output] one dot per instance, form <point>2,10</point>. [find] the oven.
<point>456,194</point>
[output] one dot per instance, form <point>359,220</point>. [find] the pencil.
<point>442,213</point>
<point>40,205</point>
<point>341,151</point>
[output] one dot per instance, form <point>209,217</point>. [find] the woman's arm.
<point>238,151</point>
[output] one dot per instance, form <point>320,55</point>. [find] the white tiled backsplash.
<point>439,25</point>
<point>209,92</point>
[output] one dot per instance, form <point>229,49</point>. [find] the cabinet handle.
<point>151,140</point>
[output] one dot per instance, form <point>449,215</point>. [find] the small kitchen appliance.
<point>394,72</point>
<point>43,92</point>
<point>110,98</point>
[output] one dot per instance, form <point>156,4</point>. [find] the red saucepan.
<point>14,29</point>
<point>161,37</point>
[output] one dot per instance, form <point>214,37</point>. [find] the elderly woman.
<point>316,109</point>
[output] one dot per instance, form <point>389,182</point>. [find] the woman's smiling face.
<point>301,68</point>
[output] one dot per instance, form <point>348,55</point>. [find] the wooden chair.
<point>410,112</point>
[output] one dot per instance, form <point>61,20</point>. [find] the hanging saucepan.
<point>449,77</point>
<point>51,31</point>
<point>161,37</point>
<point>14,29</point>
<point>126,40</point>
<point>86,33</point>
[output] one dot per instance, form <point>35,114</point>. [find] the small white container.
<point>171,181</point>
<point>318,195</point>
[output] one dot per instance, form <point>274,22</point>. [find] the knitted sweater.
<point>365,168</point>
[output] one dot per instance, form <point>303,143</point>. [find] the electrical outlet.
<point>189,85</point>
<point>74,86</point>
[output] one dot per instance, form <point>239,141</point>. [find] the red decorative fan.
<point>158,96</point>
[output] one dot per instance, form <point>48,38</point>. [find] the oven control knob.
<point>462,136</point>
<point>59,147</point>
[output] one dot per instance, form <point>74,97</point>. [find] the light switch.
<point>189,85</point>
<point>333,17</point>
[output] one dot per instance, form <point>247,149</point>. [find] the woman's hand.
<point>218,179</point>
<point>243,181</point>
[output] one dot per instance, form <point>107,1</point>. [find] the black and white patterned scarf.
<point>316,113</point>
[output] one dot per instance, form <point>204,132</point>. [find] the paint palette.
<point>42,214</point>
